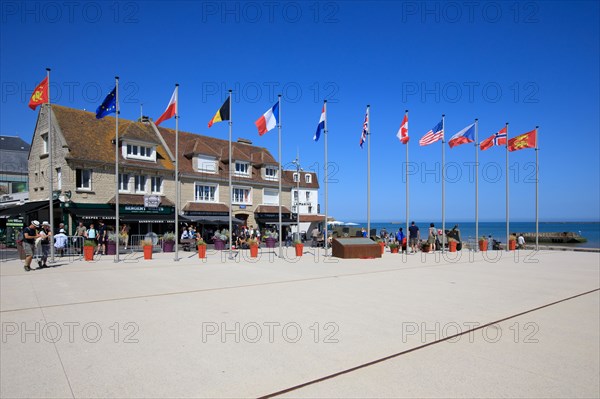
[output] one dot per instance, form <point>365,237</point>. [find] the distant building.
<point>14,153</point>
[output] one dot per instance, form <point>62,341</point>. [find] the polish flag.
<point>171,109</point>
<point>269,120</point>
<point>403,132</point>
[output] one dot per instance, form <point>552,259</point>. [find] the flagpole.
<point>507,188</point>
<point>176,259</point>
<point>279,175</point>
<point>537,180</point>
<point>368,171</point>
<point>51,174</point>
<point>443,183</point>
<point>117,110</point>
<point>476,184</point>
<point>407,196</point>
<point>326,178</point>
<point>230,187</point>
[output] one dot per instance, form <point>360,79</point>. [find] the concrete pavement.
<point>251,328</point>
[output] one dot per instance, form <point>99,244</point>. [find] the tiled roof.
<point>133,199</point>
<point>288,177</point>
<point>311,218</point>
<point>271,209</point>
<point>205,207</point>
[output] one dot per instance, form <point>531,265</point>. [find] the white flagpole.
<point>325,243</point>
<point>537,180</point>
<point>476,184</point>
<point>507,193</point>
<point>279,175</point>
<point>230,187</point>
<point>443,183</point>
<point>117,110</point>
<point>51,172</point>
<point>368,171</point>
<point>176,259</point>
<point>407,196</point>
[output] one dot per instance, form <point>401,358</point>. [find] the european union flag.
<point>108,106</point>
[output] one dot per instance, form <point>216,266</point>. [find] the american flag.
<point>496,139</point>
<point>365,131</point>
<point>435,134</point>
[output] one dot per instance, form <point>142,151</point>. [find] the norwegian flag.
<point>403,131</point>
<point>496,139</point>
<point>365,131</point>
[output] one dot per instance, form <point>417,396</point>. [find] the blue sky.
<point>526,63</point>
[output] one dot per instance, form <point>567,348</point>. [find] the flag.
<point>222,114</point>
<point>435,134</point>
<point>269,120</point>
<point>171,109</point>
<point>108,106</point>
<point>321,125</point>
<point>496,139</point>
<point>403,131</point>
<point>525,140</point>
<point>467,135</point>
<point>39,95</point>
<point>365,131</point>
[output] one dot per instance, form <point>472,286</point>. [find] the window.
<point>310,209</point>
<point>156,185</point>
<point>45,143</point>
<point>58,178</point>
<point>241,195</point>
<point>296,177</point>
<point>207,164</point>
<point>308,178</point>
<point>83,179</point>
<point>307,196</point>
<point>140,184</point>
<point>134,151</point>
<point>123,182</point>
<point>270,197</point>
<point>271,173</point>
<point>242,168</point>
<point>205,193</point>
<point>296,196</point>
<point>294,208</point>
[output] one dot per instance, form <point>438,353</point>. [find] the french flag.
<point>269,120</point>
<point>467,135</point>
<point>171,109</point>
<point>321,125</point>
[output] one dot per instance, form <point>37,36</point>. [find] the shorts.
<point>29,249</point>
<point>413,241</point>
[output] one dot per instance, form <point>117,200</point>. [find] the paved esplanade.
<point>215,329</point>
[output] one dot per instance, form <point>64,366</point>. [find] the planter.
<point>201,251</point>
<point>219,244</point>
<point>111,248</point>
<point>270,242</point>
<point>512,245</point>
<point>426,248</point>
<point>169,246</point>
<point>452,246</point>
<point>483,245</point>
<point>253,251</point>
<point>147,252</point>
<point>299,249</point>
<point>382,245</point>
<point>88,253</point>
<point>394,250</point>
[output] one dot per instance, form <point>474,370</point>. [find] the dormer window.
<point>207,164</point>
<point>138,151</point>
<point>271,173</point>
<point>308,178</point>
<point>242,168</point>
<point>296,177</point>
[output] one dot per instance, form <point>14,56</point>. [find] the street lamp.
<point>296,162</point>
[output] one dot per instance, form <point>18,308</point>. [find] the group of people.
<point>413,243</point>
<point>38,235</point>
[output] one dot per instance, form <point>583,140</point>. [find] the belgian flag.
<point>222,114</point>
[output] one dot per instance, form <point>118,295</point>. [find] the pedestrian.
<point>521,241</point>
<point>30,234</point>
<point>45,234</point>
<point>400,239</point>
<point>414,235</point>
<point>60,242</point>
<point>363,232</point>
<point>432,237</point>
<point>125,234</point>
<point>101,237</point>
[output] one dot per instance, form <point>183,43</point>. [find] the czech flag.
<point>467,135</point>
<point>269,120</point>
<point>321,125</point>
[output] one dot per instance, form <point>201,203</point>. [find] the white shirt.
<point>60,240</point>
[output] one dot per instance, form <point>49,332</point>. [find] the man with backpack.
<point>30,234</point>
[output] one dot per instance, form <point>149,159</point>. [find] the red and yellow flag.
<point>525,140</point>
<point>40,95</point>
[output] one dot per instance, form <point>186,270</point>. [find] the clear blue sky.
<point>526,63</point>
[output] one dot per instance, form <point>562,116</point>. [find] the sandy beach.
<point>522,325</point>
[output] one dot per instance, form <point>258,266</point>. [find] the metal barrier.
<point>73,248</point>
<point>135,242</point>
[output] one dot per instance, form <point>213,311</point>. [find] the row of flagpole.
<point>272,119</point>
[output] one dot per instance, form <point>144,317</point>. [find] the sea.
<point>589,230</point>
